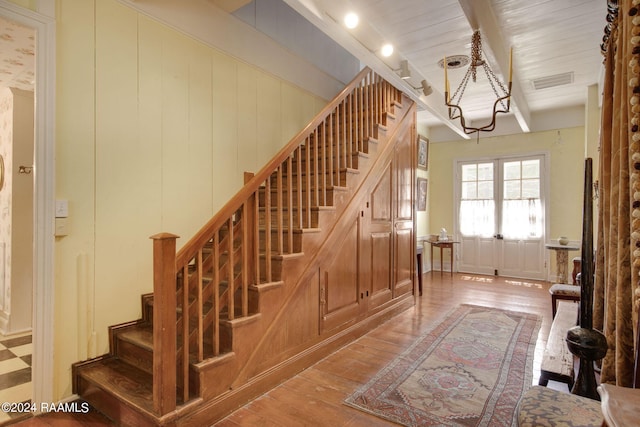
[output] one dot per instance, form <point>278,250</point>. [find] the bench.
<point>557,360</point>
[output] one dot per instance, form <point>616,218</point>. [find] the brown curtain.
<point>617,256</point>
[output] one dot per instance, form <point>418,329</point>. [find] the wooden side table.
<point>442,244</point>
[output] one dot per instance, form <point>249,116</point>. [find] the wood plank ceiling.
<point>554,42</point>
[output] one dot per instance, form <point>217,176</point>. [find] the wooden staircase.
<point>250,300</point>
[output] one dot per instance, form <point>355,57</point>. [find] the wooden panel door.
<point>377,242</point>
<point>340,291</point>
<point>375,261</point>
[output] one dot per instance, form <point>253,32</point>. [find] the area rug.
<point>469,370</point>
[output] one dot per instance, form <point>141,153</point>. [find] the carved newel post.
<point>584,341</point>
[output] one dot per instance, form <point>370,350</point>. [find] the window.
<point>513,203</point>
<point>477,205</point>
<point>521,205</point>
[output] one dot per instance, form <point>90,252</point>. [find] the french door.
<point>500,213</point>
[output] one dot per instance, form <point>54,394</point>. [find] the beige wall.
<point>154,132</point>
<point>27,4</point>
<point>566,149</point>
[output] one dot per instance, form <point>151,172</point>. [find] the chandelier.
<point>502,103</point>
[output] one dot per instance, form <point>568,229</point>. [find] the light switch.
<point>62,227</point>
<point>62,208</point>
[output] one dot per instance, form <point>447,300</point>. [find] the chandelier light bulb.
<point>351,20</point>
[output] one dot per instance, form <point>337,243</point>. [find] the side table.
<point>562,259</point>
<point>442,244</point>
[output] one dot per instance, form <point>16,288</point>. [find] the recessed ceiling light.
<point>387,50</point>
<point>351,20</point>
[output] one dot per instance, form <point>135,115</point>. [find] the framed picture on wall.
<point>423,152</point>
<point>421,189</point>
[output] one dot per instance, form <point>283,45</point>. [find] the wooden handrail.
<point>206,284</point>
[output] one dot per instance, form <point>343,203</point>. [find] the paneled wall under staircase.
<point>317,248</point>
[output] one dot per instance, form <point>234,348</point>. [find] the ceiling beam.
<point>481,17</point>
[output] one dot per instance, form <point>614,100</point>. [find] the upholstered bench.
<point>542,406</point>
<point>560,291</point>
<point>557,360</point>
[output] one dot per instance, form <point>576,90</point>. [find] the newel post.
<point>164,323</point>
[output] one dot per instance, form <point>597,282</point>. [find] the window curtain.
<point>522,218</point>
<point>477,218</point>
<point>618,235</point>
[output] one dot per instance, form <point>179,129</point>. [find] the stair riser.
<point>112,407</point>
<point>324,198</point>
<point>340,134</point>
<point>285,218</point>
<point>337,155</point>
<point>339,179</point>
<point>276,269</point>
<point>297,242</point>
<point>134,355</point>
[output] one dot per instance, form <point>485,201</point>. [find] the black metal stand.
<point>589,345</point>
<point>584,341</point>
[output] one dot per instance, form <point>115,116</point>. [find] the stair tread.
<point>140,335</point>
<point>127,382</point>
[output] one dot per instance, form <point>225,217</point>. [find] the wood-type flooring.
<point>315,396</point>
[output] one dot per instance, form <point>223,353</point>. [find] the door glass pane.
<point>531,169</point>
<point>511,190</point>
<point>531,189</point>
<point>521,206</point>
<point>477,207</point>
<point>485,190</point>
<point>485,172</point>
<point>512,170</point>
<point>469,172</point>
<point>469,191</point>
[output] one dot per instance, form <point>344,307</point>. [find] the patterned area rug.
<point>470,370</point>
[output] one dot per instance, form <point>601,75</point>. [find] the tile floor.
<point>15,370</point>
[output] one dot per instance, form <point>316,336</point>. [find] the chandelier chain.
<point>492,82</point>
<point>454,102</point>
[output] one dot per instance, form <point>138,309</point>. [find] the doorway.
<point>17,73</point>
<point>41,25</point>
<point>500,216</point>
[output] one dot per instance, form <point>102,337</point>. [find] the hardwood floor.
<point>315,396</point>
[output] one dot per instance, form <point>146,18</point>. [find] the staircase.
<point>250,300</point>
